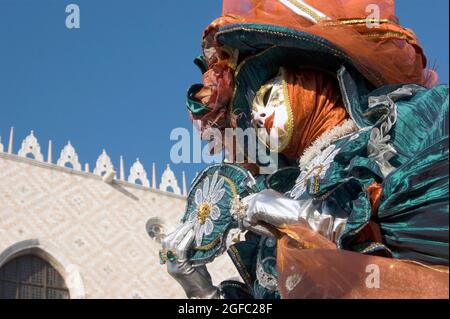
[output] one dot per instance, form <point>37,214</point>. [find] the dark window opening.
<point>31,277</point>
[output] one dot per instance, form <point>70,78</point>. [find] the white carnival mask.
<point>271,111</point>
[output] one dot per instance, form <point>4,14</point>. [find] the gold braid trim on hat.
<point>305,9</point>
<point>376,34</point>
<point>357,21</point>
<point>380,35</point>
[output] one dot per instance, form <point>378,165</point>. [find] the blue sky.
<point>119,82</point>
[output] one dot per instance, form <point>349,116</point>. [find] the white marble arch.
<point>30,145</point>
<point>51,254</point>
<point>1,146</point>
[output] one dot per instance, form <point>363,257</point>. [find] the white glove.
<point>196,281</point>
<point>271,207</point>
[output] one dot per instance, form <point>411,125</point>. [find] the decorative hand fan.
<point>212,205</point>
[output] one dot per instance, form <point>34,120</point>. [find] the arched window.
<point>31,277</point>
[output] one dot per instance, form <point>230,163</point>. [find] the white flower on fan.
<point>317,168</point>
<point>206,199</point>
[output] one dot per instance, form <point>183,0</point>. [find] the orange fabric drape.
<point>374,191</point>
<point>310,266</point>
<point>372,230</point>
<point>316,103</point>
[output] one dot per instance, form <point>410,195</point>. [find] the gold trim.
<point>305,9</point>
<point>357,21</point>
<point>290,124</point>
<point>232,185</point>
<point>240,265</point>
<point>317,179</point>
<point>374,34</point>
<point>390,35</point>
<point>438,268</point>
<point>373,246</point>
<point>208,246</point>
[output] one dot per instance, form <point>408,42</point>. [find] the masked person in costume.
<point>361,199</point>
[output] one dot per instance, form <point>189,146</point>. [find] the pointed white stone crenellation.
<point>31,146</point>
<point>138,173</point>
<point>103,165</point>
<point>69,156</point>
<point>168,179</point>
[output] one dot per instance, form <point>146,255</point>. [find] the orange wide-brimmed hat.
<point>367,32</point>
